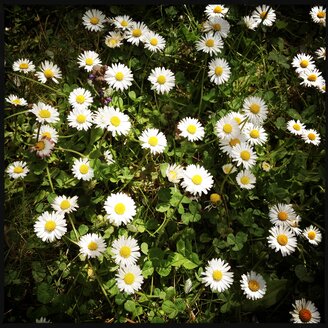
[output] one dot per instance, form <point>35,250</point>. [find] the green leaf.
<point>302,273</point>
<point>144,248</point>
<point>45,293</point>
<point>83,229</point>
<point>178,260</point>
<point>38,271</point>
<point>163,168</point>
<point>130,306</point>
<point>147,269</point>
<point>170,309</point>
<point>280,123</point>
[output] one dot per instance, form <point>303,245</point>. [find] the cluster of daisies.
<point>298,128</point>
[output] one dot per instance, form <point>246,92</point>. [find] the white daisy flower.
<point>154,140</point>
<point>45,113</point>
<point>227,128</point>
<point>46,131</point>
<point>42,320</point>
<point>246,179</point>
<point>63,204</point>
<point>88,59</point>
<point>82,170</point>
<point>255,135</point>
<point>162,80</point>
<point>129,278</point>
<point>122,22</point>
<point>119,76</point>
<point>304,312</point>
<point>16,101</point>
<point>318,15</point>
<point>244,155</point>
<point>294,225</point>
<point>253,285</point>
<point>120,209</point>
<point>50,226</point>
<point>92,245</point>
<point>250,22</point>
<point>311,136</point>
<point>281,214</point>
<point>227,144</point>
<point>44,147</point>
<point>311,77</point>
<point>282,239</point>
<point>114,39</point>
<point>210,43</point>
<point>153,41</point>
<point>23,65</point>
<point>312,234</point>
<point>217,275</point>
<point>17,170</point>
<point>118,123</point>
<point>80,98</point>
<point>219,71</point>
<point>303,61</point>
<point>109,157</point>
<point>80,118</point>
<point>191,129</point>
<point>255,110</point>
<point>197,180</point>
<point>174,173</point>
<point>48,71</point>
<point>295,127</point>
<point>136,32</point>
<point>264,14</point>
<point>321,53</point>
<point>93,20</point>
<point>228,168</point>
<point>216,10</point>
<point>218,25</point>
<point>238,117</point>
<point>322,87</point>
<point>100,118</point>
<point>125,250</point>
<point>266,166</point>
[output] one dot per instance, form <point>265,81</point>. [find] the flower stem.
<point>71,151</point>
<point>202,87</point>
<point>49,178</point>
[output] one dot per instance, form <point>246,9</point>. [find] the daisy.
<point>244,154</point>
<point>92,245</point>
<point>312,234</point>
<point>50,226</point>
<point>118,123</point>
<point>238,117</point>
<point>227,144</point>
<point>119,76</point>
<point>122,22</point>
<point>255,135</point>
<point>88,59</point>
<point>114,39</point>
<point>318,15</point>
<point>321,53</point>
<point>295,127</point>
<point>266,166</point>
<point>227,128</point>
<point>16,101</point>
<point>154,140</point>
<point>153,41</point>
<point>80,98</point>
<point>45,113</point>
<point>162,80</point>
<point>264,14</point>
<point>191,129</point>
<point>253,285</point>
<point>46,131</point>
<point>23,65</point>
<point>125,251</point>
<point>246,179</point>
<point>64,204</point>
<point>136,33</point>
<point>197,180</point>
<point>174,173</point>
<point>81,169</point>
<point>311,136</point>
<point>109,157</point>
<point>93,20</point>
<point>218,25</point>
<point>294,225</point>
<point>281,214</point>
<point>255,110</point>
<point>17,169</point>
<point>311,77</point>
<point>120,208</point>
<point>282,239</point>
<point>215,199</point>
<point>219,71</point>
<point>42,320</point>
<point>80,118</point>
<point>44,147</point>
<point>210,43</point>
<point>217,275</point>
<point>322,87</point>
<point>49,71</point>
<point>304,312</point>
<point>129,278</point>
<point>303,61</point>
<point>216,10</point>
<point>228,168</point>
<point>250,22</point>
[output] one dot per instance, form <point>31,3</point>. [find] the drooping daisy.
<point>255,135</point>
<point>44,147</point>
<point>303,61</point>
<point>162,80</point>
<point>216,10</point>
<point>197,180</point>
<point>219,71</point>
<point>125,250</point>
<point>304,312</point>
<point>217,25</point>
<point>16,101</point>
<point>191,129</point>
<point>174,173</point>
<point>17,169</point>
<point>311,136</point>
<point>109,157</point>
<point>45,113</point>
<point>82,170</point>
<point>227,144</point>
<point>114,39</point>
<point>228,168</point>
<point>282,239</point>
<point>153,41</point>
<point>136,32</point>
<point>318,15</point>
<point>250,22</point>
<point>311,77</point>
<point>119,76</point>
<point>92,245</point>
<point>23,65</point>
<point>154,140</point>
<point>93,20</point>
<point>246,179</point>
<point>42,320</point>
<point>129,278</point>
<point>80,98</point>
<point>321,53</point>
<point>227,128</point>
<point>312,234</point>
<point>217,275</point>
<point>255,110</point>
<point>210,43</point>
<point>49,71</point>
<point>244,155</point>
<point>80,118</point>
<point>264,14</point>
<point>50,226</point>
<point>88,59</point>
<point>63,204</point>
<point>122,22</point>
<point>120,208</point>
<point>281,214</point>
<point>322,87</point>
<point>295,127</point>
<point>294,225</point>
<point>118,123</point>
<point>253,285</point>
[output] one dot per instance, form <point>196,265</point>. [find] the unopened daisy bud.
<point>215,198</point>
<point>187,286</point>
<point>266,166</point>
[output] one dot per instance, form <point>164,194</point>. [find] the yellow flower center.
<point>119,208</point>
<point>263,14</point>
<point>312,77</point>
<point>92,246</point>
<point>254,134</point>
<point>215,198</point>
<point>89,61</point>
<point>227,128</point>
<point>18,169</point>
<point>254,108</point>
<point>46,134</point>
<point>44,113</point>
<point>16,101</point>
<point>81,118</point>
<point>217,275</point>
<point>84,169</point>
<point>191,128</point>
<point>23,65</point>
<point>173,174</point>
<point>217,27</point>
<point>136,32</point>
<point>321,14</point>
<point>80,99</point>
<point>153,41</point>
<point>153,141</point>
<point>234,142</point>
<point>124,23</point>
<point>245,155</point>
<point>311,136</point>
<point>40,145</point>
<point>112,42</point>
<point>253,285</point>
<point>311,234</point>
<point>218,70</point>
<point>129,278</point>
<point>296,127</point>
<point>282,216</point>
<point>237,119</point>
<point>48,73</point>
<point>161,79</point>
<point>305,315</point>
<point>209,43</point>
<point>244,180</point>
<point>282,240</point>
<point>50,225</point>
<point>197,179</point>
<point>94,20</point>
<point>65,204</point>
<point>119,76</point>
<point>115,121</point>
<point>218,9</point>
<point>125,251</point>
<point>304,63</point>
